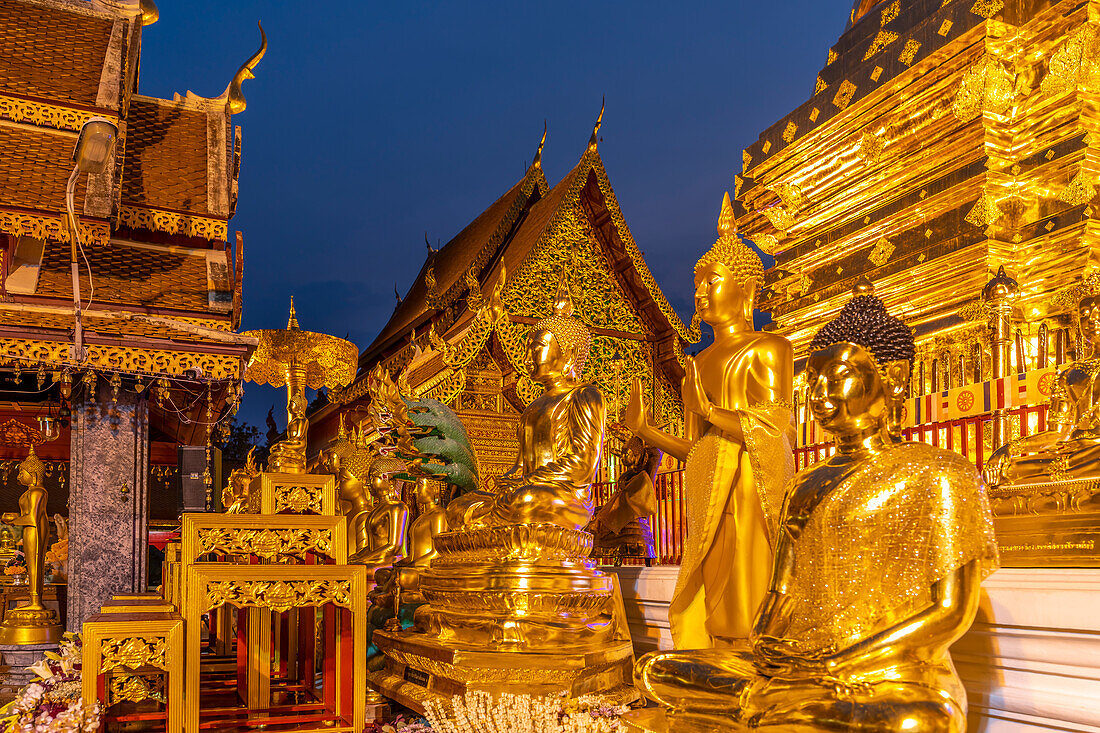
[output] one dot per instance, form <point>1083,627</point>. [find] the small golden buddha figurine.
<point>430,522</point>
<point>621,526</point>
<point>349,459</point>
<point>738,431</point>
<point>236,496</point>
<point>1070,449</point>
<point>560,436</point>
<point>7,544</point>
<point>877,568</point>
<point>32,623</point>
<point>388,522</point>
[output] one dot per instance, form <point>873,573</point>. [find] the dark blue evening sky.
<point>369,123</point>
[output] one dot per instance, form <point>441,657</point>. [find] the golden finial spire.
<point>149,12</point>
<point>538,153</point>
<point>863,286</point>
<point>235,101</point>
<point>725,218</point>
<point>341,431</point>
<point>592,141</point>
<point>292,322</point>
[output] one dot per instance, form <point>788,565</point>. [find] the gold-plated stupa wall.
<point>944,139</point>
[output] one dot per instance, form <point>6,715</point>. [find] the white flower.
<point>42,669</point>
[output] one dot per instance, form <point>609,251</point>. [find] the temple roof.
<point>34,169</point>
<point>472,247</point>
<point>509,230</point>
<point>51,52</point>
<point>146,276</point>
<point>166,161</point>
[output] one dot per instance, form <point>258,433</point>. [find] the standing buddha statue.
<point>738,431</point>
<point>877,568</point>
<point>388,522</point>
<point>31,623</point>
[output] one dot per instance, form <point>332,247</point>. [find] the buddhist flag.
<point>1040,383</point>
<point>967,401</point>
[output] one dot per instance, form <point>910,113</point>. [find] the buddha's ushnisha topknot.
<point>864,321</point>
<point>569,332</point>
<point>731,251</point>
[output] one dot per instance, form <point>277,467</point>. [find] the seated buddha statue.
<point>738,435</point>
<point>289,454</point>
<point>881,551</point>
<point>388,522</point>
<point>621,526</point>
<point>349,459</point>
<point>431,520</point>
<point>560,436</point>
<point>1070,448</point>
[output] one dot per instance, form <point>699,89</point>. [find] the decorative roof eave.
<point>136,216</point>
<point>217,362</point>
<point>50,113</point>
<point>44,226</point>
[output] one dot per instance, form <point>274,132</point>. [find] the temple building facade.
<point>459,333</point>
<point>118,345</point>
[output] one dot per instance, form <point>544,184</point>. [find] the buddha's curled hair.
<point>864,321</point>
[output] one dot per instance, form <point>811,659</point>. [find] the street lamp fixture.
<point>93,151</point>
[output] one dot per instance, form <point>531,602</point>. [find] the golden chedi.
<point>31,623</point>
<point>877,570</point>
<point>738,433</point>
<point>388,522</point>
<point>515,604</point>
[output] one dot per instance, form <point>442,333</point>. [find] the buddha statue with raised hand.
<point>738,431</point>
<point>877,568</point>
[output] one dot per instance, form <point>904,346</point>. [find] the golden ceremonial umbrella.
<point>298,359</point>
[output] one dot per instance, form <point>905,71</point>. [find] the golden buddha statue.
<point>1023,469</point>
<point>560,436</point>
<point>515,603</point>
<point>430,522</point>
<point>349,459</point>
<point>7,545</point>
<point>237,494</point>
<point>388,522</point>
<point>738,435</point>
<point>621,526</point>
<point>32,623</point>
<point>877,568</point>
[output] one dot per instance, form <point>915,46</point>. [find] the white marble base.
<point>1030,663</point>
